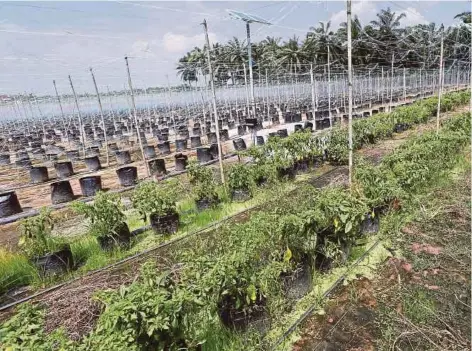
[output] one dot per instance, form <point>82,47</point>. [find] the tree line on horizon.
<point>377,43</point>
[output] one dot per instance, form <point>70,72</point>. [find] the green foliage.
<point>35,235</point>
<point>151,313</point>
<point>202,180</point>
<point>150,197</point>
<point>25,331</point>
<point>239,177</point>
<point>378,185</point>
<point>337,147</point>
<point>106,213</point>
<point>178,309</point>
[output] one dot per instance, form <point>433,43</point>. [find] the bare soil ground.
<point>420,301</point>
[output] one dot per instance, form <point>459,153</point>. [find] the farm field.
<point>260,292</point>
<point>280,176</point>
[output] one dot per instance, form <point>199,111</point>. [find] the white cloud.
<point>179,43</point>
<point>365,10</point>
<point>413,17</point>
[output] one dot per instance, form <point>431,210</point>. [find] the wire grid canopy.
<point>247,17</point>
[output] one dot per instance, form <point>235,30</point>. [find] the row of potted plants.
<point>279,158</point>
<point>240,278</point>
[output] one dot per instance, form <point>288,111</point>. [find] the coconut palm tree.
<point>292,55</point>
<point>187,69</point>
<point>465,17</point>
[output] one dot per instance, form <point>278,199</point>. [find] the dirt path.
<point>420,298</point>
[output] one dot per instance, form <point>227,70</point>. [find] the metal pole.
<point>217,127</point>
<point>313,95</point>
<point>136,118</point>
<point>391,87</point>
<point>247,92</point>
<point>267,92</point>
<point>81,129</point>
<point>421,86</point>
<point>404,84</point>
<point>101,115</point>
<point>329,94</point>
<point>349,86</point>
<point>40,114</point>
<point>60,106</point>
<point>112,110</point>
<point>251,78</point>
<point>440,85</point>
<point>383,86</point>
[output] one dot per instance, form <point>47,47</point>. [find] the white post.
<point>138,132</point>
<point>391,86</point>
<point>81,130</point>
<point>421,85</point>
<point>313,102</point>
<point>62,111</point>
<point>267,91</point>
<point>247,92</point>
<point>404,84</point>
<point>217,127</point>
<point>251,78</point>
<point>382,86</point>
<point>349,86</point>
<point>440,85</point>
<point>101,115</point>
<point>329,93</point>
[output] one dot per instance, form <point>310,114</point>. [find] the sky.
<point>42,41</point>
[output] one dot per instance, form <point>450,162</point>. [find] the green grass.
<point>419,306</point>
<point>15,270</point>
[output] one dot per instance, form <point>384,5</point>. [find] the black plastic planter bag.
<point>64,169</point>
<point>167,224</point>
<point>180,145</point>
<point>90,185</point>
<point>61,192</point>
<point>180,162</point>
<point>149,152</point>
<point>164,148</point>
<point>127,176</point>
<point>157,167</point>
<point>55,263</point>
<point>239,144</point>
<point>121,237</point>
<point>9,204</point>
<point>195,142</point>
<point>39,174</point>
<point>123,157</point>
<point>203,154</point>
<point>92,163</point>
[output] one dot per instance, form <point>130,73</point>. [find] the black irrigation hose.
<point>326,294</point>
<point>145,252</point>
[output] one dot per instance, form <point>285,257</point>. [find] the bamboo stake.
<point>81,129</point>
<point>101,115</point>
<point>136,118</point>
<point>212,86</point>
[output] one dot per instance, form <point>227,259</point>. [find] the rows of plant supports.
<point>250,278</point>
<point>45,256</point>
